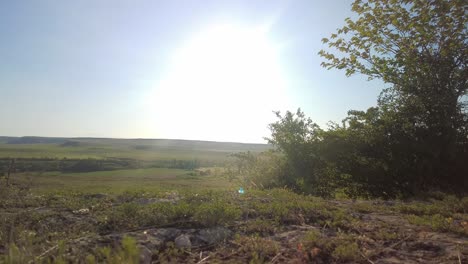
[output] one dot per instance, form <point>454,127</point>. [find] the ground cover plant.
<point>214,225</point>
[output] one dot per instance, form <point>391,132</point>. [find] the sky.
<point>204,70</point>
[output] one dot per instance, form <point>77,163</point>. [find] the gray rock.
<point>164,234</point>
<point>214,235</point>
<point>183,241</point>
<point>83,211</point>
<point>152,243</point>
<point>145,255</point>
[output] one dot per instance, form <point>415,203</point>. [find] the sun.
<point>222,84</point>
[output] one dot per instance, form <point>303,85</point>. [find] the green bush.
<point>347,252</point>
<point>216,213</point>
<point>257,249</point>
<point>436,222</point>
<point>128,252</point>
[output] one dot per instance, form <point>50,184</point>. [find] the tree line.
<point>415,139</point>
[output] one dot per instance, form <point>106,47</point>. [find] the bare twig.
<point>36,208</point>
<point>398,243</point>
<point>391,246</point>
<point>230,255</point>
<point>368,260</point>
<point>47,252</point>
<point>459,258</point>
<point>205,258</point>
<point>235,243</point>
<point>325,225</point>
<point>253,183</point>
<point>275,258</point>
<point>190,253</point>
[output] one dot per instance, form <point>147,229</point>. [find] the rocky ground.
<point>109,229</point>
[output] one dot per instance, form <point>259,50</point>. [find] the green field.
<point>35,154</point>
<point>139,149</point>
<point>118,181</point>
<point>125,164</point>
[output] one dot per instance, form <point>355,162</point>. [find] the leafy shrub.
<point>261,227</point>
<point>384,235</point>
<point>257,249</point>
<point>342,248</point>
<point>346,252</point>
<point>170,253</point>
<point>128,252</point>
<point>436,222</point>
<point>216,213</point>
<point>464,204</point>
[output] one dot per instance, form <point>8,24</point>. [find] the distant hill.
<point>34,140</point>
<point>141,144</point>
<point>70,143</point>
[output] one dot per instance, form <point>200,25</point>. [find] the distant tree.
<point>299,139</point>
<point>258,170</point>
<point>243,161</point>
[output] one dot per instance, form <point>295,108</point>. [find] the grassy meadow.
<point>139,149</point>
<point>138,164</point>
<point>118,181</point>
<point>169,201</point>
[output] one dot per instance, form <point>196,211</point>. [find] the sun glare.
<point>223,83</point>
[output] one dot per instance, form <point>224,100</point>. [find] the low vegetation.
<point>255,227</point>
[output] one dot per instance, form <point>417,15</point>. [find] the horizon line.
<point>124,138</point>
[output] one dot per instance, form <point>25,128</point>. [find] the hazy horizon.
<point>123,138</point>
<point>211,71</point>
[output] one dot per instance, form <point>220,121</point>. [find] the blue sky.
<point>95,68</point>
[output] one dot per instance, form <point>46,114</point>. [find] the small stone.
<point>145,255</point>
<point>214,235</point>
<point>183,241</point>
<point>83,211</point>
<point>165,234</point>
